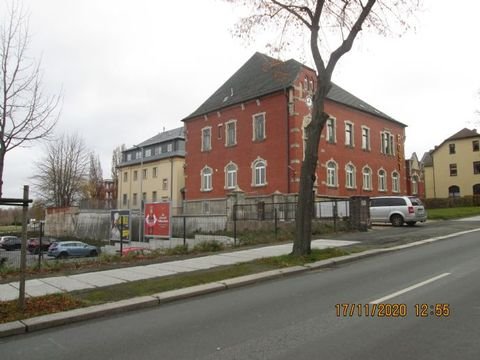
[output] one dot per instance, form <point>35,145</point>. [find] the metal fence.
<point>323,209</point>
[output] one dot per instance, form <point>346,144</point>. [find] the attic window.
<point>225,99</point>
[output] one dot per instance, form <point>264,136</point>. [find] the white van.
<point>397,210</point>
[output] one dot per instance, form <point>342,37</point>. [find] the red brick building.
<point>249,135</point>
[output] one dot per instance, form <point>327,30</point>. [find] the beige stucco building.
<point>153,171</point>
<point>452,169</point>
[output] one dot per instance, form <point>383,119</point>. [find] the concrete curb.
<point>67,317</point>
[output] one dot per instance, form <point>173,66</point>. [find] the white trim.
<point>254,172</point>
<point>202,180</point>
<point>209,128</point>
<point>225,170</point>
<point>352,135</point>
<point>264,126</point>
<point>233,121</point>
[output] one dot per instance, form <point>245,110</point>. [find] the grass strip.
<point>60,302</point>
<point>452,213</point>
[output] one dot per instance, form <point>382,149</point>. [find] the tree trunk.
<point>2,164</point>
<point>303,223</point>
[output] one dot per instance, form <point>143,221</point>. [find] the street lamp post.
<point>140,220</point>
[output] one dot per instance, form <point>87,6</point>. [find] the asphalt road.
<point>296,317</point>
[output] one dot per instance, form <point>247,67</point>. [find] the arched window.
<point>382,181</point>
<point>259,172</point>
<point>395,182</point>
<point>206,179</point>
<point>476,189</point>
<point>454,191</point>
<point>331,174</point>
<point>414,185</point>
<point>367,178</point>
<point>350,176</point>
<point>231,176</point>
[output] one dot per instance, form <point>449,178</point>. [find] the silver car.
<point>397,210</point>
<point>65,249</point>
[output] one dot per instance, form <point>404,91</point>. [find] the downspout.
<point>287,116</point>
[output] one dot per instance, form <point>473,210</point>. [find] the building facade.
<point>452,169</point>
<point>415,177</point>
<point>249,135</point>
<point>153,171</point>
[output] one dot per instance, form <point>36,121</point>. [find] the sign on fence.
<point>158,220</point>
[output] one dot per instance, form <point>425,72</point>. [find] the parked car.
<point>33,245</point>
<point>397,210</point>
<point>65,249</point>
<point>10,243</point>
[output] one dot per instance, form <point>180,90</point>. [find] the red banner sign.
<point>157,220</point>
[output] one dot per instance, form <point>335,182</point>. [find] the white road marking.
<point>410,288</point>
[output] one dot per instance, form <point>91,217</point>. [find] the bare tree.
<point>26,113</point>
<point>62,174</point>
<point>321,22</point>
<point>95,186</point>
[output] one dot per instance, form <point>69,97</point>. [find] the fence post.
<point>184,231</point>
<point>275,222</point>
<point>40,251</point>
<point>234,225</point>
<point>335,215</point>
<point>23,251</point>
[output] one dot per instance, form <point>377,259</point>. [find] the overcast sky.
<point>128,69</point>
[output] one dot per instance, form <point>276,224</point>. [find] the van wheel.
<point>411,223</point>
<point>396,220</point>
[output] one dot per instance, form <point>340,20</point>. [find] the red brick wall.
<point>273,149</point>
<point>343,154</point>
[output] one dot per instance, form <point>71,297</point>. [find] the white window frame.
<point>395,182</point>
<point>351,143</point>
<point>387,143</point>
<point>331,131</point>
<point>365,139</point>
<point>350,176</point>
<point>204,145</point>
<point>259,173</point>
<point>254,127</point>
<point>367,178</point>
<point>228,125</point>
<point>382,180</point>
<point>206,179</point>
<point>332,173</point>
<point>148,152</point>
<point>231,175</point>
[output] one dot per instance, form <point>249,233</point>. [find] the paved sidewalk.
<point>58,284</point>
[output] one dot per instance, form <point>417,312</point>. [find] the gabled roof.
<point>168,135</point>
<point>427,159</point>
<point>262,75</point>
<point>463,134</point>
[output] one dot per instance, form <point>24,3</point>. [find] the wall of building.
<point>463,158</point>
<point>171,169</point>
<point>273,148</point>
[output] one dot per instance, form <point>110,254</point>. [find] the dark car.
<point>33,245</point>
<point>10,243</point>
<point>65,249</point>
